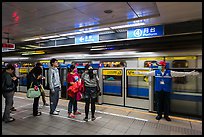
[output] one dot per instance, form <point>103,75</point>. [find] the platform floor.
<point>111,120</point>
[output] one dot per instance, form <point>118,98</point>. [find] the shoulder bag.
<point>33,93</point>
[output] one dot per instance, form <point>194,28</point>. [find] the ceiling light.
<point>69,34</point>
<point>30,39</point>
<point>48,37</point>
<point>96,30</point>
<point>127,26</point>
<point>14,58</point>
<point>59,38</point>
<point>99,49</point>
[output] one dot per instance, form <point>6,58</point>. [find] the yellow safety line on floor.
<point>133,110</point>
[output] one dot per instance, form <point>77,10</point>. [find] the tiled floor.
<point>111,120</point>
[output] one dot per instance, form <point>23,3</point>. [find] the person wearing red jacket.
<point>73,87</point>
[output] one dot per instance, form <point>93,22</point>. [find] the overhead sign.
<point>112,72</point>
<point>89,38</point>
<point>8,46</point>
<point>145,32</point>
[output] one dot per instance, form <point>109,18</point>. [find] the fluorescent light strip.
<point>127,26</point>
<point>31,39</point>
<point>96,30</point>
<point>48,37</point>
<point>58,39</point>
<point>14,58</point>
<point>98,49</point>
<point>69,34</point>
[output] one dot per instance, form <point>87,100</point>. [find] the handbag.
<point>33,93</point>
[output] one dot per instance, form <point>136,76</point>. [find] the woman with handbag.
<point>72,80</point>
<point>34,78</point>
<point>91,91</point>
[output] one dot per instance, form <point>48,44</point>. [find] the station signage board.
<point>8,46</point>
<point>145,32</point>
<point>88,38</point>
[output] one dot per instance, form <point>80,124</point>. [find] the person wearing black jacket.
<point>34,78</point>
<point>15,88</point>
<point>42,91</point>
<point>8,88</point>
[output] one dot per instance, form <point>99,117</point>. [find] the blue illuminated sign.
<point>145,32</point>
<point>88,38</point>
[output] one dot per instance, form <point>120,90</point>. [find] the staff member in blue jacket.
<point>163,87</point>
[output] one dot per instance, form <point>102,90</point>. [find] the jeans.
<point>72,104</point>
<point>8,104</point>
<point>54,98</point>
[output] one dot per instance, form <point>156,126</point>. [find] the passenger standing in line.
<point>55,86</point>
<point>163,87</point>
<point>8,88</point>
<point>15,90</point>
<point>41,86</point>
<point>72,78</point>
<point>90,82</point>
<point>34,79</point>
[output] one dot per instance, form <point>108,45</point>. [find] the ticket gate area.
<point>121,86</point>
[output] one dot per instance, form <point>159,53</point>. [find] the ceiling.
<point>22,20</point>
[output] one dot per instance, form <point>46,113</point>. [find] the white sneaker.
<point>55,113</point>
<point>57,110</point>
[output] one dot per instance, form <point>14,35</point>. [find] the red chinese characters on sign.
<point>8,46</point>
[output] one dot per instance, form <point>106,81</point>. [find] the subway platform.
<point>110,120</point>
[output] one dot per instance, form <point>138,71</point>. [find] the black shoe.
<point>85,119</point>
<point>93,118</point>
<point>167,118</point>
<point>45,104</point>
<point>10,120</point>
<point>38,114</point>
<point>158,117</point>
<point>13,109</point>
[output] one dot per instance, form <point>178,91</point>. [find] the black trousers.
<point>35,106</point>
<point>8,104</point>
<point>90,96</point>
<point>163,103</point>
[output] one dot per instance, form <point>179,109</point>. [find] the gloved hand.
<point>194,73</point>
<point>35,88</point>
